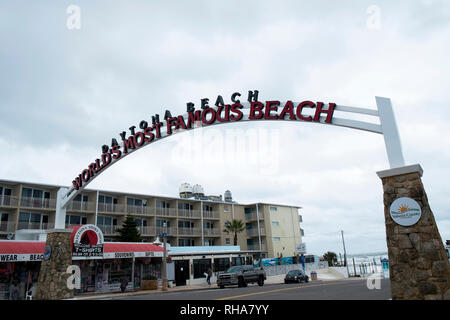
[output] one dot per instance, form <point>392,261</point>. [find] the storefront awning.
<point>14,251</point>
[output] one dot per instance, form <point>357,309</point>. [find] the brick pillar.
<point>418,263</point>
<point>52,282</point>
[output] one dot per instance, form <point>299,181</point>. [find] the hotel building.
<point>192,219</point>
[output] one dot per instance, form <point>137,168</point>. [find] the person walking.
<point>123,283</point>
<point>209,274</point>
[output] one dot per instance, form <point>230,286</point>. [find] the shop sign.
<point>405,211</point>
<point>129,255</point>
<point>301,248</point>
<point>88,242</point>
<point>20,257</point>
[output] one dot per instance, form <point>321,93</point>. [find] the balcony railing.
<point>211,214</point>
<point>166,212</point>
<point>6,226</point>
<point>109,207</point>
<point>38,203</point>
<point>146,230</point>
<point>169,231</point>
<point>81,206</point>
<point>256,247</point>
<point>253,216</point>
<point>254,232</point>
<point>8,201</point>
<point>211,232</point>
<point>108,230</point>
<point>189,213</point>
<point>140,210</point>
<point>189,231</point>
<point>34,225</point>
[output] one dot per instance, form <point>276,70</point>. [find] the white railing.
<point>109,207</point>
<point>166,212</point>
<point>110,230</point>
<point>211,214</point>
<point>146,230</point>
<point>9,201</point>
<point>211,232</point>
<point>189,213</point>
<point>253,216</point>
<point>38,203</point>
<point>140,210</point>
<point>189,231</point>
<point>256,247</point>
<point>6,226</point>
<point>34,225</point>
<point>169,231</point>
<point>81,206</point>
<point>254,232</point>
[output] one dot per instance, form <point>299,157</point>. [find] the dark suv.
<point>296,276</point>
<point>241,276</point>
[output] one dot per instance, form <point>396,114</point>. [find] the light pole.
<point>164,266</point>
<point>345,253</point>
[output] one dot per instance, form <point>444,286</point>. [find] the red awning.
<point>37,247</point>
<point>21,247</point>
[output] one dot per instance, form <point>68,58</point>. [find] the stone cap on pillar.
<point>400,170</point>
<point>59,230</point>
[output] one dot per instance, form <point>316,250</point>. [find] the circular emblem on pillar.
<point>405,211</point>
<point>47,252</point>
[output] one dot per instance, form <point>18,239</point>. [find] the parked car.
<point>241,276</point>
<point>296,276</point>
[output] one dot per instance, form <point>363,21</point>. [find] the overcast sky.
<point>64,92</point>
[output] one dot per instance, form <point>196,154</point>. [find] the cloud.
<point>65,93</point>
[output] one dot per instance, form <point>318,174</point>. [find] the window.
<point>28,220</point>
<point>106,203</point>
<point>276,239</point>
<point>302,232</point>
<point>35,198</point>
<point>75,220</point>
<point>141,222</point>
<point>227,241</point>
<point>136,202</point>
<point>162,204</point>
<point>3,222</point>
<point>106,221</point>
<point>221,264</point>
<point>249,210</point>
<point>300,218</point>
<point>81,198</point>
<point>186,242</point>
<point>226,208</point>
<point>160,223</point>
<point>80,202</point>
<point>185,224</point>
<point>107,224</point>
<point>185,206</point>
<point>275,223</point>
<point>200,267</point>
<point>207,208</point>
<point>5,196</point>
<point>208,225</point>
<point>209,242</point>
<point>273,209</point>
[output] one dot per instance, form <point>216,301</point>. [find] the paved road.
<point>355,289</point>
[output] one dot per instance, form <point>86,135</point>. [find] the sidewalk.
<point>199,286</point>
<point>142,292</point>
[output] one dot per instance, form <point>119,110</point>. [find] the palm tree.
<point>234,226</point>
